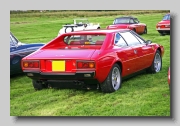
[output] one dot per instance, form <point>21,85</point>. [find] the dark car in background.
<point>18,50</point>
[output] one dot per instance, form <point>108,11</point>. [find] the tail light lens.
<point>167,26</point>
<point>30,64</point>
<point>85,64</point>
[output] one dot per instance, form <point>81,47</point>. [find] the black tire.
<point>134,29</point>
<point>152,68</point>
<point>145,30</point>
<point>98,28</point>
<point>38,85</point>
<point>16,60</point>
<point>107,86</point>
<point>85,25</point>
<point>161,33</point>
<point>72,29</point>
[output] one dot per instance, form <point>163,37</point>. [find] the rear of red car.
<point>163,27</point>
<point>66,60</point>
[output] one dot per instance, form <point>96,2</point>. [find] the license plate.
<point>58,65</point>
<point>86,43</point>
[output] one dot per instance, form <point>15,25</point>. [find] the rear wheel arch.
<point>120,65</point>
<point>16,59</point>
<point>113,81</point>
<point>160,50</point>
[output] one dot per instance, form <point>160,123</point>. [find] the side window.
<point>131,21</point>
<point>119,41</point>
<point>130,38</point>
<point>141,41</point>
<point>136,20</point>
<point>11,42</point>
<point>138,37</point>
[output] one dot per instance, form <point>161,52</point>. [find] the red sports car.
<point>163,27</point>
<point>93,57</point>
<point>129,22</point>
<point>169,76</point>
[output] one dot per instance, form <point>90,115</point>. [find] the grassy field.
<point>142,95</point>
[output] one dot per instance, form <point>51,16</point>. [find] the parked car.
<point>79,24</point>
<point>18,50</point>
<point>100,57</point>
<point>129,22</point>
<point>169,76</point>
<point>163,27</point>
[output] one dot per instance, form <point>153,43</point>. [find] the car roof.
<point>98,31</point>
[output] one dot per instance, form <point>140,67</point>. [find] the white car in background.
<point>79,24</point>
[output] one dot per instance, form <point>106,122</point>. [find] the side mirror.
<point>148,42</point>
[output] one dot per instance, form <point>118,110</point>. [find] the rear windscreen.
<point>84,39</point>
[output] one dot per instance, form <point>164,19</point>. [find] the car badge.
<point>135,51</point>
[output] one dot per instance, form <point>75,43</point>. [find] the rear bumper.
<point>36,75</point>
<point>163,29</point>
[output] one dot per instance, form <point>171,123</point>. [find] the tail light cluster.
<point>30,64</point>
<point>85,64</point>
<point>167,26</point>
<point>163,26</point>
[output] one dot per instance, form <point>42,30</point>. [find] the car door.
<point>138,62</point>
<point>125,54</point>
<point>146,50</point>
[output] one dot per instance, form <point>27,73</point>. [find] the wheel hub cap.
<point>115,78</point>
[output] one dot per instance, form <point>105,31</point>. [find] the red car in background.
<point>129,22</point>
<point>92,57</point>
<point>163,27</point>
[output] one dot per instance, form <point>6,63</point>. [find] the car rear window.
<point>84,39</point>
<point>166,17</point>
<point>121,20</point>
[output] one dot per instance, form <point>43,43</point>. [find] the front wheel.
<point>156,65</point>
<point>113,80</point>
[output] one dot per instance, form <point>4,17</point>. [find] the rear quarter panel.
<point>104,61</point>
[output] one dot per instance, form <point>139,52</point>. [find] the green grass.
<point>142,95</point>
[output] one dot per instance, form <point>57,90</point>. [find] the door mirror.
<point>148,42</point>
